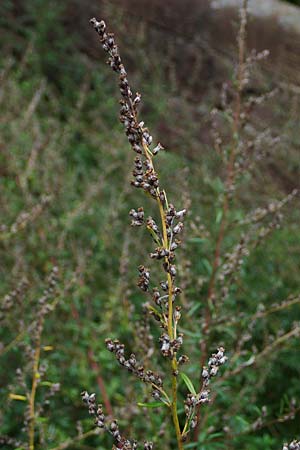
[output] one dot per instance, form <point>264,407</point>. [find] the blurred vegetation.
<point>294,2</point>
<point>60,138</point>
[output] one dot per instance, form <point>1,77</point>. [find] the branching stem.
<point>171,332</point>
<point>229,182</point>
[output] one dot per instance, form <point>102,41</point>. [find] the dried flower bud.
<point>183,359</point>
<point>178,228</point>
<point>144,278</point>
<point>157,149</point>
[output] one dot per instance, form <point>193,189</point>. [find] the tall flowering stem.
<point>146,178</point>
<point>162,305</point>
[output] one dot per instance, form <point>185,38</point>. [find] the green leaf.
<point>241,423</point>
<point>214,436</point>
<point>154,236</point>
<point>219,216</point>
<point>42,419</point>
<point>196,335</point>
<point>151,405</point>
<point>46,383</point>
<point>22,398</point>
<point>207,266</point>
<point>193,309</point>
<point>191,445</point>
<point>188,383</point>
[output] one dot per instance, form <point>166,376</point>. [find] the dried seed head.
<point>144,278</point>
<point>157,149</point>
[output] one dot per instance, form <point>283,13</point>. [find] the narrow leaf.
<point>17,397</point>
<point>47,348</point>
<point>151,405</point>
<point>219,216</point>
<point>188,383</point>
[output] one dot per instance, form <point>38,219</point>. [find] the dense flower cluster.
<point>170,347</point>
<point>113,427</point>
<point>144,278</point>
<point>294,445</point>
<point>12,298</point>
<point>208,372</point>
<point>137,217</point>
<point>133,366</point>
<point>138,135</point>
<point>25,217</point>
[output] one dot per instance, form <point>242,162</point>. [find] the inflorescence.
<point>294,445</point>
<point>165,234</point>
<point>208,372</point>
<point>112,427</point>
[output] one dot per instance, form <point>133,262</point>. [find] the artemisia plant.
<point>163,304</point>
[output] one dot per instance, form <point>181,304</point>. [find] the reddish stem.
<point>230,176</point>
<point>95,368</point>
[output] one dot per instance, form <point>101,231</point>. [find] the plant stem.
<point>174,367</point>
<point>171,334</point>
<point>174,405</point>
<point>230,178</point>
<point>35,377</point>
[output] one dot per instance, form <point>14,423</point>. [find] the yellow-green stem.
<point>171,334</point>
<point>174,405</point>
<point>173,364</point>
<point>35,377</point>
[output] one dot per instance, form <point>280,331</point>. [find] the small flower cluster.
<point>294,445</point>
<point>138,135</point>
<point>144,278</point>
<point>112,428</point>
<point>167,253</point>
<point>25,217</point>
<point>137,217</point>
<point>215,361</point>
<point>48,292</point>
<point>272,208</point>
<point>172,215</point>
<point>12,298</point>
<point>265,230</point>
<point>232,265</point>
<point>12,442</point>
<point>170,347</point>
<point>193,400</point>
<point>160,253</point>
<point>173,230</point>
<point>145,176</point>
<point>251,150</point>
<point>131,364</point>
<point>153,228</point>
